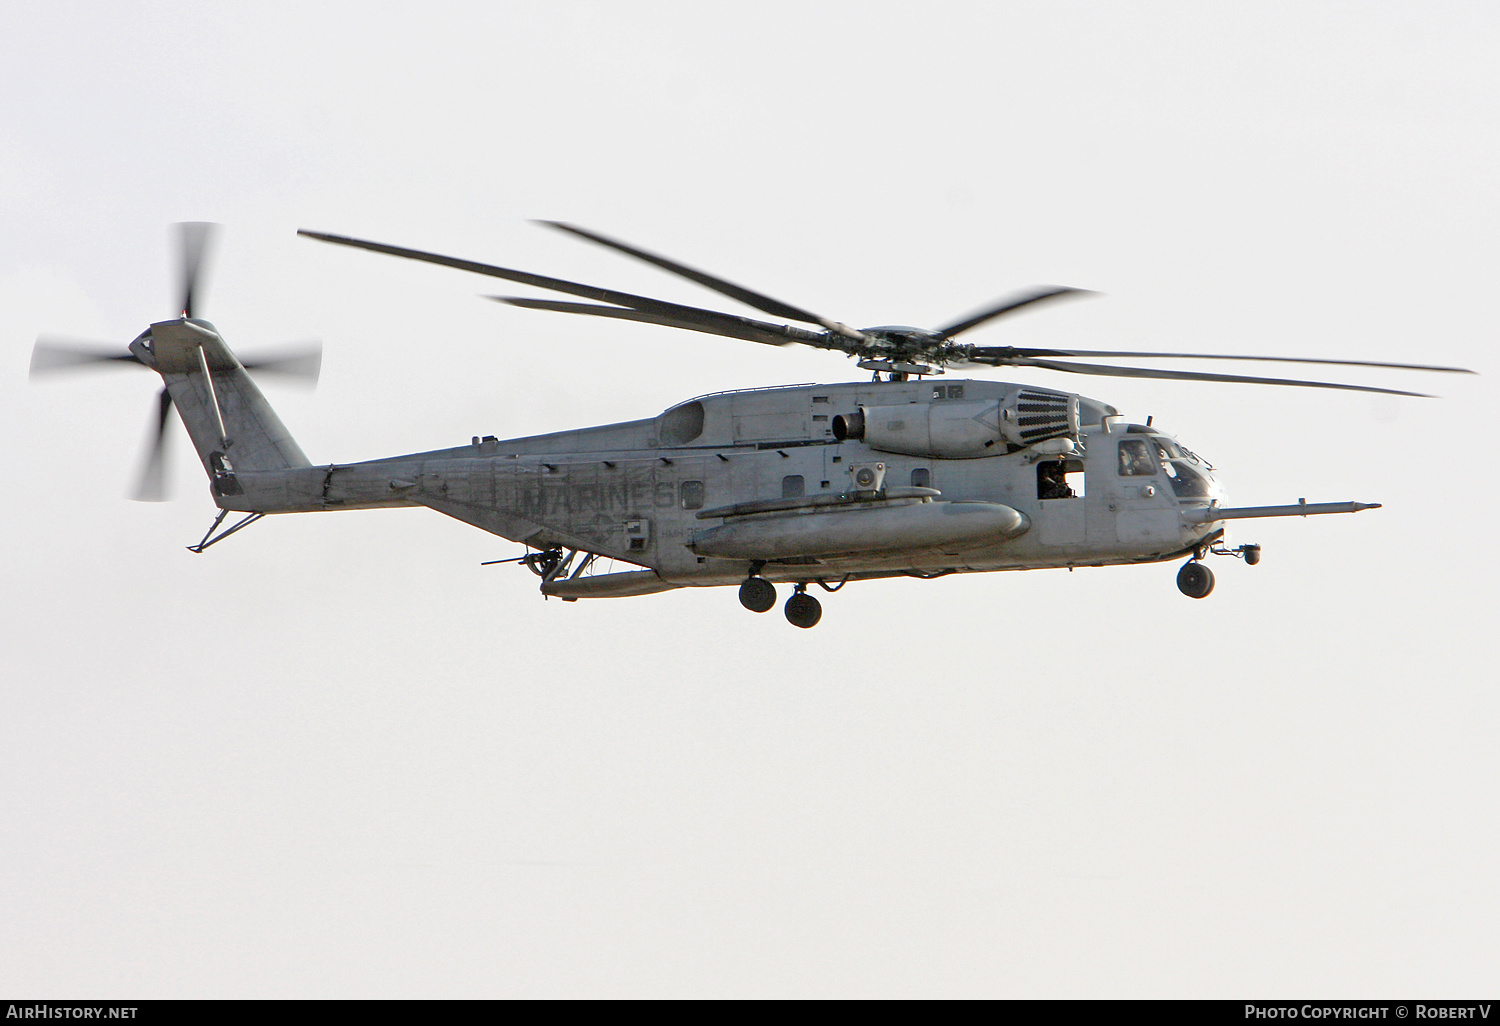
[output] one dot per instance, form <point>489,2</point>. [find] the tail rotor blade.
<point>194,243</point>
<point>301,363</point>
<point>51,355</point>
<point>152,486</point>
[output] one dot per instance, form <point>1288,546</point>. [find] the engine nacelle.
<point>959,430</point>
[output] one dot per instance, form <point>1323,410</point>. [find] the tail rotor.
<point>52,354</point>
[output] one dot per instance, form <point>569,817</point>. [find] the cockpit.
<point>1190,475</point>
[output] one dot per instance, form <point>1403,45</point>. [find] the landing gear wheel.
<point>1195,580</point>
<point>757,594</point>
<point>802,610</point>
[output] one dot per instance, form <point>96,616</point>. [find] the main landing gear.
<point>757,594</point>
<point>1196,580</point>
<point>802,610</point>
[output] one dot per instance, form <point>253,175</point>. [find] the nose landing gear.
<point>1195,580</point>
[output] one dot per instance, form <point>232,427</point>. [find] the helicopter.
<point>907,474</point>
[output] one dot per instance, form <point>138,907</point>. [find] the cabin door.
<point>1060,502</point>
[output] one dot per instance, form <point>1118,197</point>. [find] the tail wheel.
<point>1195,580</point>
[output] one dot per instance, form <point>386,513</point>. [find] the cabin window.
<point>692,494</point>
<point>947,391</point>
<point>792,486</point>
<point>921,477</point>
<point>1059,479</point>
<point>1137,458</point>
<point>1051,482</point>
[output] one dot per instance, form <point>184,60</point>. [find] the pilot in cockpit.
<point>1137,458</point>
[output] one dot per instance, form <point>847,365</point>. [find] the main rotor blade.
<point>194,238</point>
<point>1103,370</point>
<point>51,355</point>
<point>760,301</point>
<point>302,363</point>
<point>152,486</point>
<point>1009,305</point>
<point>541,281</point>
<point>1003,352</point>
<point>708,321</point>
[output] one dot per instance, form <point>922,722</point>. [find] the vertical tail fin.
<point>232,426</point>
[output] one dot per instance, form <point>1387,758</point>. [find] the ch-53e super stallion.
<point>908,474</point>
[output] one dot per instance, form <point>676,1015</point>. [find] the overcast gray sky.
<point>334,756</point>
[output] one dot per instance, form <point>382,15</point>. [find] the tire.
<point>1195,580</point>
<point>802,610</point>
<point>757,594</point>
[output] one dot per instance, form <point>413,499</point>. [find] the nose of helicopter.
<point>1217,494</point>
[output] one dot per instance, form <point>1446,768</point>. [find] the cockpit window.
<point>1195,458</point>
<point>1186,482</point>
<point>1137,458</point>
<point>1167,449</point>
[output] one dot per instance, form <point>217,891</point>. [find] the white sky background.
<point>335,757</point>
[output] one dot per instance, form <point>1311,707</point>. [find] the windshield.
<point>1187,482</point>
<point>1170,450</point>
<point>1185,469</point>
